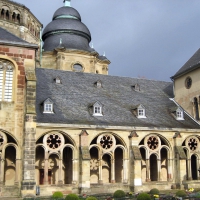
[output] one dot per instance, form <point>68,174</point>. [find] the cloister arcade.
<point>109,159</point>
<point>10,160</point>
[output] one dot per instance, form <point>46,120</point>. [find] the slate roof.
<point>190,65</point>
<point>77,93</point>
<point>8,38</point>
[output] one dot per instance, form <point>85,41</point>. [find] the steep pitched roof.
<point>190,65</point>
<point>10,39</point>
<point>77,93</point>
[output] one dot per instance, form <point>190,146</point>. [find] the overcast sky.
<point>141,38</point>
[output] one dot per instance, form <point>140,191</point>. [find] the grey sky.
<point>141,38</point>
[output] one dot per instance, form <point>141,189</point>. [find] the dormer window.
<point>57,80</point>
<point>135,87</point>
<point>179,114</point>
<point>97,109</point>
<point>48,106</point>
<point>139,111</point>
<point>98,84</point>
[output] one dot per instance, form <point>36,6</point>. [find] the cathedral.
<point>66,125</point>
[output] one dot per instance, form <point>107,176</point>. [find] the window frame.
<point>141,112</point>
<point>179,114</point>
<point>6,80</point>
<point>48,106</point>
<point>97,109</point>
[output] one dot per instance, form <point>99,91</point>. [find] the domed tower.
<point>66,44</point>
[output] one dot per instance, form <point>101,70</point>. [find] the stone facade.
<point>85,147</point>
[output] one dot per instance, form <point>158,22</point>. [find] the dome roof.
<point>66,11</point>
<point>66,26</point>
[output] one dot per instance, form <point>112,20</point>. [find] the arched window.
<point>6,80</point>
<point>196,107</point>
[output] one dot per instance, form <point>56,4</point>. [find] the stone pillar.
<point>75,171</point>
<point>100,172</point>
<point>84,183</point>
<point>147,171</point>
<point>138,174</point>
<point>189,169</point>
<point>112,170</point>
<point>125,170</point>
<point>159,169</point>
<point>46,166</point>
<point>169,170</point>
<point>60,177</point>
<point>2,172</point>
<point>28,165</point>
<point>17,169</point>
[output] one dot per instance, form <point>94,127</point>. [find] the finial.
<point>104,54</point>
<point>67,3</point>
<point>92,45</point>
<point>60,40</point>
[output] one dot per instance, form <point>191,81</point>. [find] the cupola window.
<point>77,67</point>
<point>97,109</point>
<point>48,106</point>
<point>6,80</point>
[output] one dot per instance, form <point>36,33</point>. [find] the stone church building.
<point>66,125</point>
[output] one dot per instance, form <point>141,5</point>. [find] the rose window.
<point>152,143</point>
<point>192,143</point>
<point>1,140</point>
<point>106,142</point>
<point>54,141</point>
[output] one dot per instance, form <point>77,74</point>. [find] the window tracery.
<point>192,143</point>
<point>6,80</point>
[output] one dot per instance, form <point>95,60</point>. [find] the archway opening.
<point>10,165</point>
<point>143,164</point>
<point>94,165</point>
<point>194,167</point>
<point>119,165</point>
<point>106,168</point>
<point>67,165</point>
<point>39,165</point>
<point>164,165</point>
<point>153,168</point>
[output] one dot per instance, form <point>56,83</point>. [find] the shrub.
<point>119,194</point>
<point>180,193</point>
<point>154,191</point>
<point>71,197</point>
<point>91,198</point>
<point>57,195</point>
<point>143,196</point>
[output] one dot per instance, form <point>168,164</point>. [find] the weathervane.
<point>67,2</point>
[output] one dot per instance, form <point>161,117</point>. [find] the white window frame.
<point>179,114</point>
<point>97,109</point>
<point>141,112</point>
<point>6,80</point>
<point>48,106</point>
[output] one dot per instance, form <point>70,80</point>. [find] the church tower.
<point>66,44</point>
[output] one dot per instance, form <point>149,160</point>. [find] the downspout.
<point>41,47</point>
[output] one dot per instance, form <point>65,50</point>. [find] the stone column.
<point>46,166</point>
<point>125,170</point>
<point>169,170</point>
<point>17,169</point>
<point>75,171</point>
<point>112,170</point>
<point>100,172</point>
<point>159,169</point>
<point>2,172</point>
<point>60,177</point>
<point>147,171</point>
<point>189,169</point>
